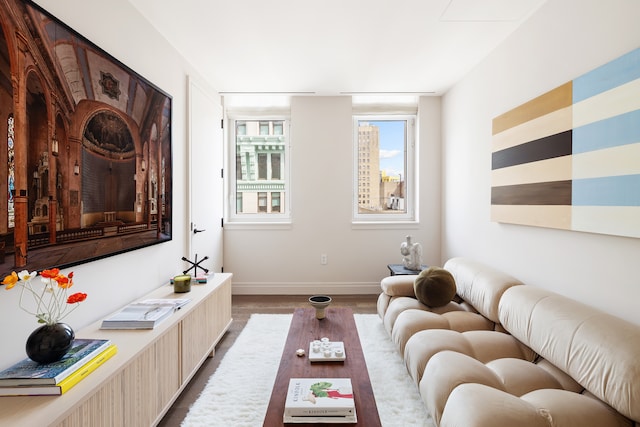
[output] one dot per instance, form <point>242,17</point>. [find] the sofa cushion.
<point>478,405</point>
<point>596,349</point>
<point>434,287</point>
<point>412,321</point>
<point>480,285</point>
<point>481,345</point>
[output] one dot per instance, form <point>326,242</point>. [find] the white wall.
<point>287,261</point>
<point>112,282</point>
<point>561,41</point>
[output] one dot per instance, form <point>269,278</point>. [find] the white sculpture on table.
<point>412,254</point>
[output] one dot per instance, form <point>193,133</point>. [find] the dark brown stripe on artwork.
<point>549,147</point>
<point>553,100</point>
<point>539,193</point>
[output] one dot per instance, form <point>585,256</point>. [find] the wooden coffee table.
<point>338,325</point>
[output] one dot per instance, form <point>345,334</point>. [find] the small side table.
<point>401,270</point>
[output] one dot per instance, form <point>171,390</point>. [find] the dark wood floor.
<point>243,306</point>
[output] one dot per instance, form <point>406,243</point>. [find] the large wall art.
<point>570,158</point>
<point>86,164</point>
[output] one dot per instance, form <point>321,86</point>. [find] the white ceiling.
<point>335,46</point>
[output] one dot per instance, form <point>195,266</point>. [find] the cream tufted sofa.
<point>475,307</point>
<point>549,361</point>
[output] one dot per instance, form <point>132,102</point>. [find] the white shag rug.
<point>238,392</point>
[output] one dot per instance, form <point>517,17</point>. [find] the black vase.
<point>49,343</point>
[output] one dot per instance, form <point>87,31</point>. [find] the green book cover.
<point>28,372</point>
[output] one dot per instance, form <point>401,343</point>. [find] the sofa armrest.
<point>477,405</point>
<point>399,286</point>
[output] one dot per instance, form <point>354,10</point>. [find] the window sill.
<point>257,225</point>
<point>385,225</point>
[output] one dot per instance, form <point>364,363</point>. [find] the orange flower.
<point>63,281</point>
<point>50,303</point>
<point>50,274</point>
<point>11,280</point>
<point>77,297</point>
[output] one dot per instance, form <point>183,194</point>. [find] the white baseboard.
<point>297,288</point>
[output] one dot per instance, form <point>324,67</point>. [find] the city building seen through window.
<point>384,157</point>
<point>260,168</point>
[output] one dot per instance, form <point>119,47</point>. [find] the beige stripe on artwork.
<point>614,220</point>
<point>556,169</point>
<point>553,100</point>
<point>619,100</point>
<point>614,161</point>
<point>552,216</point>
<point>549,124</point>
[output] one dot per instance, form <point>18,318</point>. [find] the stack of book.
<point>29,378</point>
<point>198,279</point>
<point>145,314</point>
<point>320,400</point>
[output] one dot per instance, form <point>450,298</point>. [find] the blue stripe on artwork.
<point>615,131</point>
<point>607,191</point>
<point>612,74</point>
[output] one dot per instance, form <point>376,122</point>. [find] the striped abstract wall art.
<point>570,158</point>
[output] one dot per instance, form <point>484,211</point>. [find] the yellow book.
<point>89,367</point>
<point>65,384</point>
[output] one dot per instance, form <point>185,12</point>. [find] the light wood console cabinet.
<point>139,384</point>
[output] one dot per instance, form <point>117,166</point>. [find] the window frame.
<point>282,217</point>
<point>410,186</point>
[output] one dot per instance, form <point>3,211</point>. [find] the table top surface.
<point>338,325</point>
<point>399,269</point>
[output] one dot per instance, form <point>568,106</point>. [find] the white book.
<point>347,419</point>
<point>138,316</point>
<point>324,398</point>
<point>176,303</point>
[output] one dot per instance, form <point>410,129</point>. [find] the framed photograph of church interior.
<point>86,165</point>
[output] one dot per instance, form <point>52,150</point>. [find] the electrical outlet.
<point>323,259</point>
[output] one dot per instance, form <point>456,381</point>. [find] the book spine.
<point>319,412</point>
<point>38,390</point>
<point>89,367</point>
<point>80,363</point>
<point>351,419</point>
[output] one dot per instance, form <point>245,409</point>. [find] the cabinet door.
<point>140,393</point>
<point>103,409</point>
<point>203,328</point>
<point>151,379</point>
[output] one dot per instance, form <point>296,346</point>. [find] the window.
<point>260,189</point>
<point>239,202</point>
<point>275,202</point>
<point>262,202</point>
<point>238,167</point>
<point>262,166</point>
<point>275,166</point>
<point>384,159</point>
